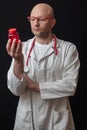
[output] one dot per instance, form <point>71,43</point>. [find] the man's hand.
<point>15,51</point>
<point>31,84</point>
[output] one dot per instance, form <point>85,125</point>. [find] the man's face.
<point>41,22</point>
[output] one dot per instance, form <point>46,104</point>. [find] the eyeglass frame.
<point>41,19</point>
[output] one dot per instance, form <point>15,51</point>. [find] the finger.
<point>19,47</point>
<point>8,46</point>
<point>13,46</point>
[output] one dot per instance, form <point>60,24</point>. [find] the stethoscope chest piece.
<point>26,69</point>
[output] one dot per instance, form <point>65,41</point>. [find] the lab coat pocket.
<point>61,120</point>
<point>23,121</point>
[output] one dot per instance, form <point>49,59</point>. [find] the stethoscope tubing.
<point>33,44</point>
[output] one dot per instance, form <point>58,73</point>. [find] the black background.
<point>71,26</point>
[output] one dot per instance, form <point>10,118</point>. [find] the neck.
<point>46,40</point>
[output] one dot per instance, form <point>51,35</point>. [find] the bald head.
<point>43,9</point>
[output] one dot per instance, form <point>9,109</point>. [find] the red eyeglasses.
<point>32,18</point>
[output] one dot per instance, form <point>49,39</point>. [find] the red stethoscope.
<point>33,44</point>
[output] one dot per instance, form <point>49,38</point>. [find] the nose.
<point>36,21</point>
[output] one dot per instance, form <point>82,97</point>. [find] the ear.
<point>53,22</point>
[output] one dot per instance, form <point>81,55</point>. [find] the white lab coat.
<point>57,76</point>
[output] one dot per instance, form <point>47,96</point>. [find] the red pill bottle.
<point>12,33</point>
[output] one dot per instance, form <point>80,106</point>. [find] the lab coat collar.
<point>51,50</point>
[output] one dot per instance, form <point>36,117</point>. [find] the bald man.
<point>43,73</point>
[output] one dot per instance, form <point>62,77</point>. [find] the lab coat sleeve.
<point>67,85</point>
<point>16,86</point>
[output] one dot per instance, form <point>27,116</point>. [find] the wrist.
<point>19,59</point>
<point>19,67</point>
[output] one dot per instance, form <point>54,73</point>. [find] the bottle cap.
<point>12,30</point>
